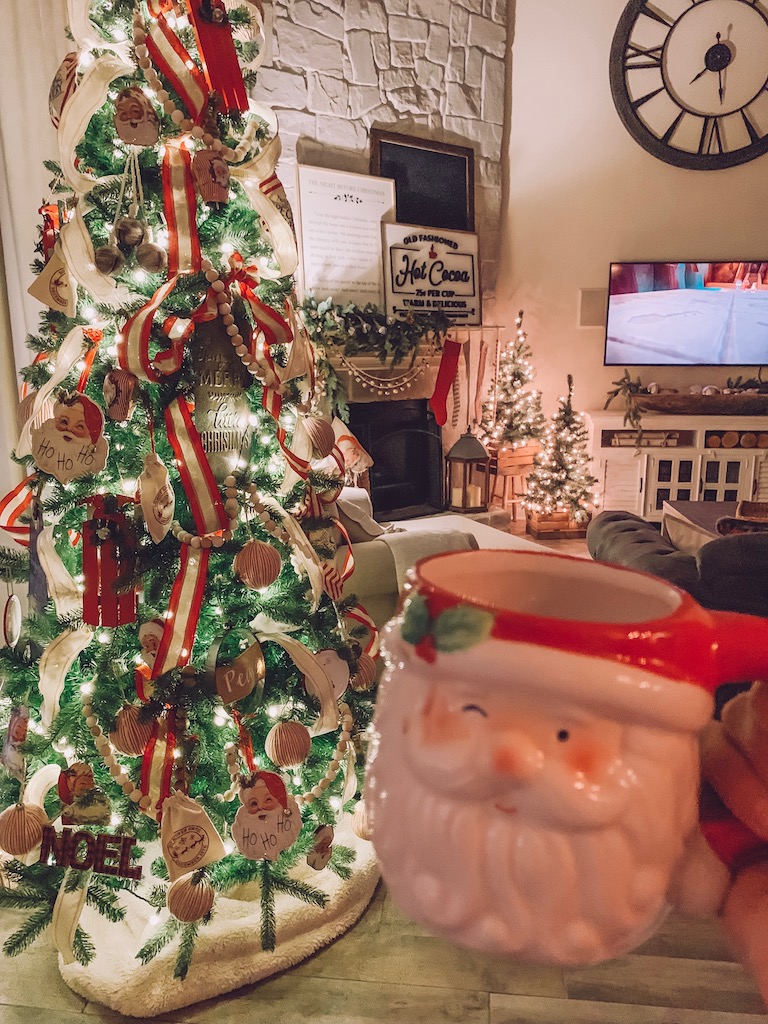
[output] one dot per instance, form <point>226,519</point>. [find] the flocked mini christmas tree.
<point>514,418</point>
<point>189,672</point>
<point>561,481</point>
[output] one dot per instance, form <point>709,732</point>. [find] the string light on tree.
<point>561,481</point>
<point>514,419</point>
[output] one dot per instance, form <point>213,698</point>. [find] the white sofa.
<point>381,564</point>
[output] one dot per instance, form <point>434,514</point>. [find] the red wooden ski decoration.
<point>217,52</point>
<point>109,557</point>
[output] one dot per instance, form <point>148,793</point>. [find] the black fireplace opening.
<point>405,444</point>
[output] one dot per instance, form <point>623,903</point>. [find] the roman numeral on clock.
<point>655,14</point>
<point>640,57</point>
<point>710,135</point>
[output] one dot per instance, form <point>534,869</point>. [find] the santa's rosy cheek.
<point>440,724</point>
<point>587,758</point>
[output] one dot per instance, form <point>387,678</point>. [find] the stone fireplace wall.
<point>432,68</point>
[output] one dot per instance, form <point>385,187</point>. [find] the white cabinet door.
<point>727,476</point>
<point>621,482</point>
<point>670,478</point>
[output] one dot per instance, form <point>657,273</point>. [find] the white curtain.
<point>34,43</point>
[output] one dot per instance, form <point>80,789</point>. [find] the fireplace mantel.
<point>366,379</point>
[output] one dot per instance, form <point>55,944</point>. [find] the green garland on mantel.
<point>352,330</point>
<point>367,330</point>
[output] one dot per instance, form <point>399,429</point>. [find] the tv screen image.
<point>687,314</point>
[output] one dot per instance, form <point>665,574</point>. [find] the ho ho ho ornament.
<point>71,444</point>
<point>269,820</point>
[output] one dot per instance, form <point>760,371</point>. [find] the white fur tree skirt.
<point>228,954</point>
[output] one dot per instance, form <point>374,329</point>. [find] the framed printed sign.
<point>427,270</point>
<point>340,217</point>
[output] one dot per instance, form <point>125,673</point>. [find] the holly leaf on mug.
<point>415,620</point>
<point>460,628</point>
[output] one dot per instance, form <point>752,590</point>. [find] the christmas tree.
<point>561,480</point>
<point>188,675</point>
<point>514,418</point>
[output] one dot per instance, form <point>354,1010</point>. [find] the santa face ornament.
<point>72,444</point>
<point>269,820</point>
<point>532,784</point>
<point>135,118</point>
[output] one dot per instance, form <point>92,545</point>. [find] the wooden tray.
<point>703,405</point>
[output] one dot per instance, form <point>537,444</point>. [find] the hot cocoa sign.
<point>428,270</point>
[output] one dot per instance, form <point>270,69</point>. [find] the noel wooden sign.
<point>430,269</point>
<point>84,851</point>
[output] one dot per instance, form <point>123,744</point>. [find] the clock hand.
<point>721,86</point>
<point>697,77</point>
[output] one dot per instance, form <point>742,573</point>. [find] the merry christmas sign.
<point>428,269</point>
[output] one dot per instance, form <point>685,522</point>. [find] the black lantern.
<point>467,475</point>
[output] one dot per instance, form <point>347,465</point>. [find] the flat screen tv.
<point>687,314</point>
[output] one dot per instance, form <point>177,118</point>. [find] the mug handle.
<point>740,647</point>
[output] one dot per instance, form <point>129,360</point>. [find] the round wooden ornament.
<point>257,564</point>
<point>321,435</point>
<point>130,735</point>
<point>288,744</point>
<point>21,828</point>
<point>361,822</point>
<point>189,901</point>
<point>365,675</point>
<point>12,620</point>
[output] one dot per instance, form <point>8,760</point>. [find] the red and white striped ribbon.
<point>359,614</point>
<point>157,763</point>
<point>180,206</point>
<point>175,646</point>
<point>196,476</point>
<point>178,330</point>
<point>13,506</point>
<point>133,343</point>
<point>174,62</point>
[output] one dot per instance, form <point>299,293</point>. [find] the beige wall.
<point>582,192</point>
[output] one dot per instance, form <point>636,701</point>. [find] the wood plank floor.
<point>386,970</point>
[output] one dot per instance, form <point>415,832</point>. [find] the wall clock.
<point>690,79</point>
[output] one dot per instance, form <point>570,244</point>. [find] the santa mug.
<point>533,775</point>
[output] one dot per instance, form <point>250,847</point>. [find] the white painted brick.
<point>476,6</point>
<point>380,46</point>
<point>367,14</point>
<point>436,12</point>
<point>397,7</point>
<point>408,29</point>
<point>327,95</point>
<point>488,173</point>
<point>300,48</point>
<point>332,5</point>
<point>456,68</point>
<point>462,100</point>
<point>362,65</point>
<point>296,123</point>
<point>401,55</point>
<point>317,19</point>
<point>396,78</point>
<point>487,35</point>
<point>493,90</point>
<point>282,88</point>
<point>438,44</point>
<point>488,138</point>
<point>459,25</point>
<point>428,74</point>
<point>500,11</point>
<point>460,127</point>
<point>473,74</point>
<point>363,99</point>
<point>341,132</point>
<point>412,100</point>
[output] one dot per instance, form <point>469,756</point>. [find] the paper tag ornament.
<point>63,85</point>
<point>54,286</point>
<point>158,501</point>
<point>269,820</point>
<point>72,443</point>
<point>211,176</point>
<point>135,118</point>
<point>322,847</point>
<point>15,736</point>
<point>188,835</point>
<point>239,678</point>
<point>119,392</point>
<point>83,803</point>
<point>336,669</point>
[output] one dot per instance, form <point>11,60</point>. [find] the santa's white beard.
<point>508,884</point>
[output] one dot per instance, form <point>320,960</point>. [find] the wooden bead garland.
<point>258,564</point>
<point>130,735</point>
<point>188,901</point>
<point>186,124</point>
<point>288,744</point>
<point>21,828</point>
<point>133,793</point>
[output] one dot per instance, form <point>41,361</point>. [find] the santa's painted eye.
<point>563,735</point>
<point>477,708</point>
